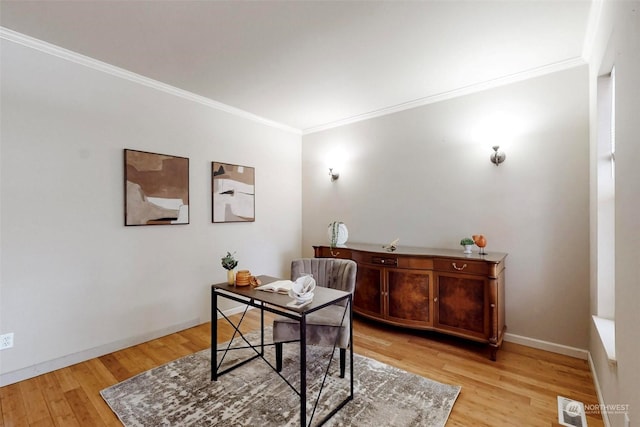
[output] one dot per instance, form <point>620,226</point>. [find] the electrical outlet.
<point>6,341</point>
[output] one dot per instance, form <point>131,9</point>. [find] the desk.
<point>277,303</point>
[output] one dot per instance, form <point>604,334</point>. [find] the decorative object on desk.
<point>232,193</point>
<point>229,263</point>
<point>243,278</point>
<point>302,289</point>
<point>467,243</point>
<point>156,189</point>
<point>255,282</point>
<point>182,390</point>
<point>392,246</point>
<point>279,286</point>
<point>338,233</point>
<point>480,242</point>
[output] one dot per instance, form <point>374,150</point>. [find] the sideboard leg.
<point>494,353</point>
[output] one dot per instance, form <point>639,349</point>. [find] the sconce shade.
<point>333,175</point>
<point>497,157</point>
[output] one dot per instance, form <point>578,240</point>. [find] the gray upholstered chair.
<point>324,324</point>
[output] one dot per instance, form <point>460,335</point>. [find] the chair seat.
<point>322,327</point>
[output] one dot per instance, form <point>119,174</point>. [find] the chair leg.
<point>343,358</point>
<point>279,356</point>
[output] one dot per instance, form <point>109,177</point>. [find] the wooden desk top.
<point>321,296</point>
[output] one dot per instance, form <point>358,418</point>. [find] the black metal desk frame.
<point>276,303</point>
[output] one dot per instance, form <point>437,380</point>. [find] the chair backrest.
<point>328,272</point>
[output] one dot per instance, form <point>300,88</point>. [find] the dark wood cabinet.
<point>369,293</point>
<point>409,295</point>
<point>462,304</point>
<point>434,289</point>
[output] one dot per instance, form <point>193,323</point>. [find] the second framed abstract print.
<point>232,193</point>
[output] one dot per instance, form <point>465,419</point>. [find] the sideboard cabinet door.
<point>368,296</point>
<point>462,305</point>
<point>409,297</point>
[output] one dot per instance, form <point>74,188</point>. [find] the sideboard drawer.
<point>384,260</point>
<point>336,252</point>
<point>375,259</point>
<point>461,266</point>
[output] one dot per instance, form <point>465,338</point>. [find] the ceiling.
<point>310,65</point>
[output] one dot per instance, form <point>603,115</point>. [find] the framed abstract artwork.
<point>232,193</point>
<point>156,189</point>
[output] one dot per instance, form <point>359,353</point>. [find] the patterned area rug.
<point>180,393</point>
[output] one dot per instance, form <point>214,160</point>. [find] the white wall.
<point>74,279</point>
<point>424,176</point>
<point>618,41</point>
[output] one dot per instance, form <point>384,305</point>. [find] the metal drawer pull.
<point>459,268</point>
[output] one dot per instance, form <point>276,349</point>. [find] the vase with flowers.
<point>229,263</point>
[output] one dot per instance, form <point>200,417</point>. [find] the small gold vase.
<point>231,277</point>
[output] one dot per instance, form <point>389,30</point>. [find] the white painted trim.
<point>548,346</point>
<point>86,61</point>
<point>596,383</point>
<point>71,359</point>
<point>42,46</point>
<point>606,329</point>
<point>467,90</point>
<point>234,310</point>
<point>595,13</point>
<point>82,356</point>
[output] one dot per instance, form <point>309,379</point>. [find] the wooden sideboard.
<point>433,289</point>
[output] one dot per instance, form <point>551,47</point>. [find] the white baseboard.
<point>548,346</point>
<point>234,310</point>
<point>72,359</point>
<point>596,384</point>
<point>63,362</point>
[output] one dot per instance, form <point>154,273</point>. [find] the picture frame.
<point>156,188</point>
<point>232,193</point>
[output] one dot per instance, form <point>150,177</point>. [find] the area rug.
<point>180,393</point>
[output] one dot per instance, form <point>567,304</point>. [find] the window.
<point>606,147</point>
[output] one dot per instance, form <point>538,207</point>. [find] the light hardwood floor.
<point>519,389</point>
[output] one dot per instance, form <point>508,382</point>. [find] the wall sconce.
<point>333,175</point>
<point>497,157</point>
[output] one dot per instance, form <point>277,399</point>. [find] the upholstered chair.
<point>322,325</point>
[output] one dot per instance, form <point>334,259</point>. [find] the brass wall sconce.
<point>497,157</point>
<point>333,175</point>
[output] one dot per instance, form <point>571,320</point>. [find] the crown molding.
<point>595,15</point>
<point>42,46</point>
<point>443,96</point>
<point>22,39</point>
